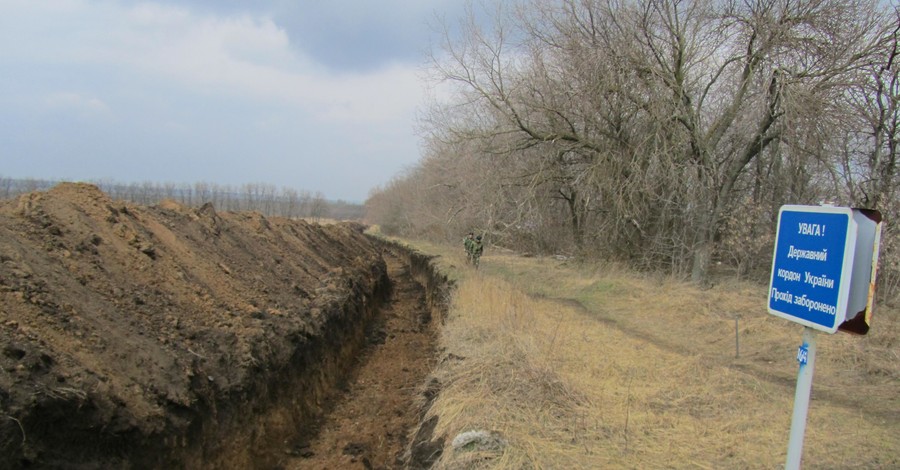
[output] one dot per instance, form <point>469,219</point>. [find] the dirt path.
<point>368,426</point>
<point>760,371</point>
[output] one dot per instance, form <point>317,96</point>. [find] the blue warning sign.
<point>810,272</point>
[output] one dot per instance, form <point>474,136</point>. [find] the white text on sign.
<point>811,279</point>
<point>815,255</point>
<point>816,230</point>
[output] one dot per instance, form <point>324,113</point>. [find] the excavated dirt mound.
<point>158,337</point>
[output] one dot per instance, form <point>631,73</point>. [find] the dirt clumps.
<point>370,425</point>
<point>166,336</point>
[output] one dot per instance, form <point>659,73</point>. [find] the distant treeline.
<point>261,197</point>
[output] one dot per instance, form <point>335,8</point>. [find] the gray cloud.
<point>320,98</point>
<point>355,35</point>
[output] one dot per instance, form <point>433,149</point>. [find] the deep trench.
<point>370,418</point>
<point>353,396</point>
<point>358,395</point>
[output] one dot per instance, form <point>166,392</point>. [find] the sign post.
<point>823,277</point>
<point>806,356</point>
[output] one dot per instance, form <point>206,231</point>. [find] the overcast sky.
<point>313,95</point>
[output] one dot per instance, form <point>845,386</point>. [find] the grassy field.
<point>573,366</point>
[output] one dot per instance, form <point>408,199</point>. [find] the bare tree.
<point>867,144</point>
<point>291,203</point>
<point>318,207</point>
<point>644,119</point>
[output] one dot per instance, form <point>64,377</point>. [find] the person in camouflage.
<point>467,243</point>
<point>477,250</point>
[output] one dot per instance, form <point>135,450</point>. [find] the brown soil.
<point>169,337</point>
<point>369,425</point>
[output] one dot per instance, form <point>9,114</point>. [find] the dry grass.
<point>602,368</point>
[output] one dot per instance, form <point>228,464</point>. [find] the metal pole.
<point>806,356</point>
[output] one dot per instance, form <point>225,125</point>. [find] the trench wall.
<point>424,449</point>
<point>438,288</point>
<point>246,426</point>
<point>254,429</point>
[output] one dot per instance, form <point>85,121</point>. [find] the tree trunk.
<point>702,256</point>
<point>574,218</point>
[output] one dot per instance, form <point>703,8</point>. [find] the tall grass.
<point>577,367</point>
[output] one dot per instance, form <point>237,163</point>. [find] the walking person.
<point>477,250</point>
<point>467,244</point>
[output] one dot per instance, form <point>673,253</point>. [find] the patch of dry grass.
<point>580,367</point>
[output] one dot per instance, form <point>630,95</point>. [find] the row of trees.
<point>662,133</point>
<point>260,197</point>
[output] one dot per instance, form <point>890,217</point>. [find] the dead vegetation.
<point>657,133</point>
<point>576,367</point>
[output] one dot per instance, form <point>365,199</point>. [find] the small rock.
<point>354,449</point>
<point>479,440</point>
<point>148,250</point>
